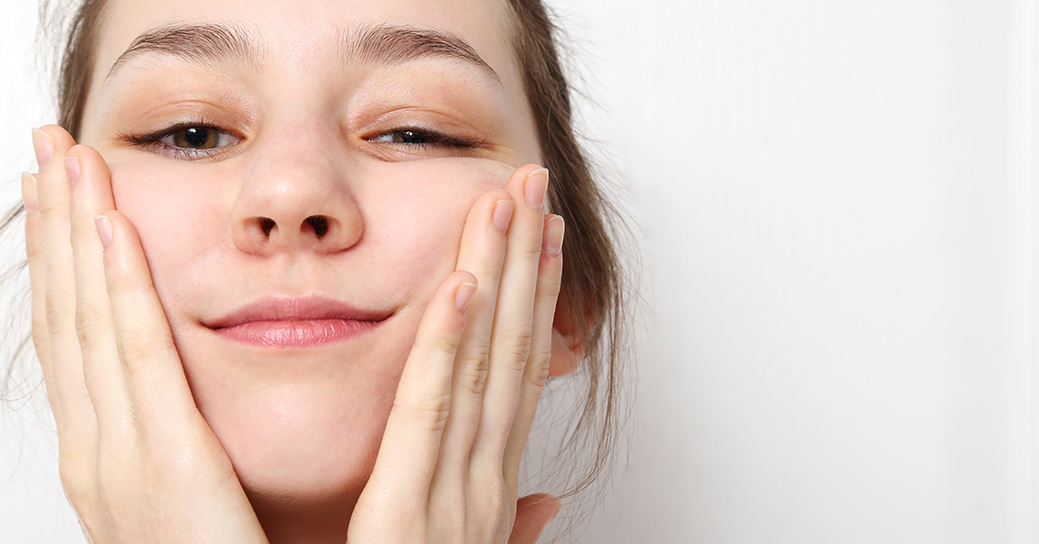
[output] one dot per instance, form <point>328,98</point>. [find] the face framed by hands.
<point>299,151</point>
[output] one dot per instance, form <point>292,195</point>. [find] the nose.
<point>296,196</point>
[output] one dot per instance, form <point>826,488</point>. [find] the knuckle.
<point>135,346</point>
<point>532,251</point>
<point>445,343</point>
<point>57,312</point>
<point>89,323</point>
<point>429,412</point>
<point>538,370</point>
<point>53,210</point>
<point>33,249</point>
<point>516,344</point>
<point>473,373</point>
<point>40,340</point>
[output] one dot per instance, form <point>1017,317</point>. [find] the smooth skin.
<point>312,128</point>
<point>138,461</point>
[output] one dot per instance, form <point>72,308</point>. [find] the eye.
<point>195,138</point>
<point>422,137</point>
<point>185,140</point>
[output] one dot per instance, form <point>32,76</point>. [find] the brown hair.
<point>594,284</point>
<point>593,278</point>
<point>77,65</point>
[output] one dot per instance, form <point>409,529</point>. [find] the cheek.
<point>177,213</point>
<point>414,214</point>
<point>309,427</point>
<point>417,214</point>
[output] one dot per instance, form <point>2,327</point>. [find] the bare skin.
<point>138,461</point>
<point>170,432</point>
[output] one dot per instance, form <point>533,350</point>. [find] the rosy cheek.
<point>413,214</point>
<point>177,216</point>
<point>420,209</point>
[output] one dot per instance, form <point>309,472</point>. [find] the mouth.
<point>295,322</point>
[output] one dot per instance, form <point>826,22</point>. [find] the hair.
<point>594,284</point>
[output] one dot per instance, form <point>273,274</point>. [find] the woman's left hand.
<point>448,467</point>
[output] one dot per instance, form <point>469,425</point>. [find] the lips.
<point>295,322</point>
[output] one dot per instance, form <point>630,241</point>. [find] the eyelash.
<point>155,140</point>
<point>435,139</point>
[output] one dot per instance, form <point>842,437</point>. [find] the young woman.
<point>301,279</point>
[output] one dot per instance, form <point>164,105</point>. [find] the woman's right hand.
<point>137,460</point>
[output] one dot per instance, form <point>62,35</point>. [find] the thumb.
<point>533,513</point>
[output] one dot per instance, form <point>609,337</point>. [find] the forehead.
<point>297,33</point>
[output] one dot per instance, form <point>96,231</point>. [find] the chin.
<point>296,469</point>
<point>301,442</point>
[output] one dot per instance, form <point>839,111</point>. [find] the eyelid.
<point>155,140</point>
<point>439,138</point>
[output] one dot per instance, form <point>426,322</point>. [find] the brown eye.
<point>196,138</point>
<point>191,140</point>
<point>424,138</point>
<point>411,137</point>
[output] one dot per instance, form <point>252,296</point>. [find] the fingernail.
<point>554,231</point>
<point>29,198</point>
<point>534,192</point>
<point>72,169</point>
<point>43,146</point>
<point>502,215</point>
<point>463,296</point>
<point>104,229</point>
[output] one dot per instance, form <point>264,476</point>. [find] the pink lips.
<point>286,322</point>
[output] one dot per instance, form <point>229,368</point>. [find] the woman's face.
<point>306,164</point>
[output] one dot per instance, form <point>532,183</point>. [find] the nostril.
<point>267,224</point>
<point>319,223</point>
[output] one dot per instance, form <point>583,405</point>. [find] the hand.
<point>137,461</point>
<point>447,470</point>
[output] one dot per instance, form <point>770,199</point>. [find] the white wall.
<point>836,201</point>
<point>32,506</point>
<point>836,198</point>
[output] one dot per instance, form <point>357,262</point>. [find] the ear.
<point>567,347</point>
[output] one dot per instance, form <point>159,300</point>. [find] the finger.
<point>44,144</point>
<point>410,444</point>
<point>77,433</point>
<point>533,513</point>
<point>34,258</point>
<point>175,449</point>
<point>482,252</point>
<point>102,372</point>
<point>550,274</point>
<point>513,319</point>
<point>59,291</point>
<point>157,387</point>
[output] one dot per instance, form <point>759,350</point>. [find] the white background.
<point>835,201</point>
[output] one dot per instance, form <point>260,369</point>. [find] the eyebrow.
<point>384,44</point>
<point>207,44</point>
<point>399,44</point>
